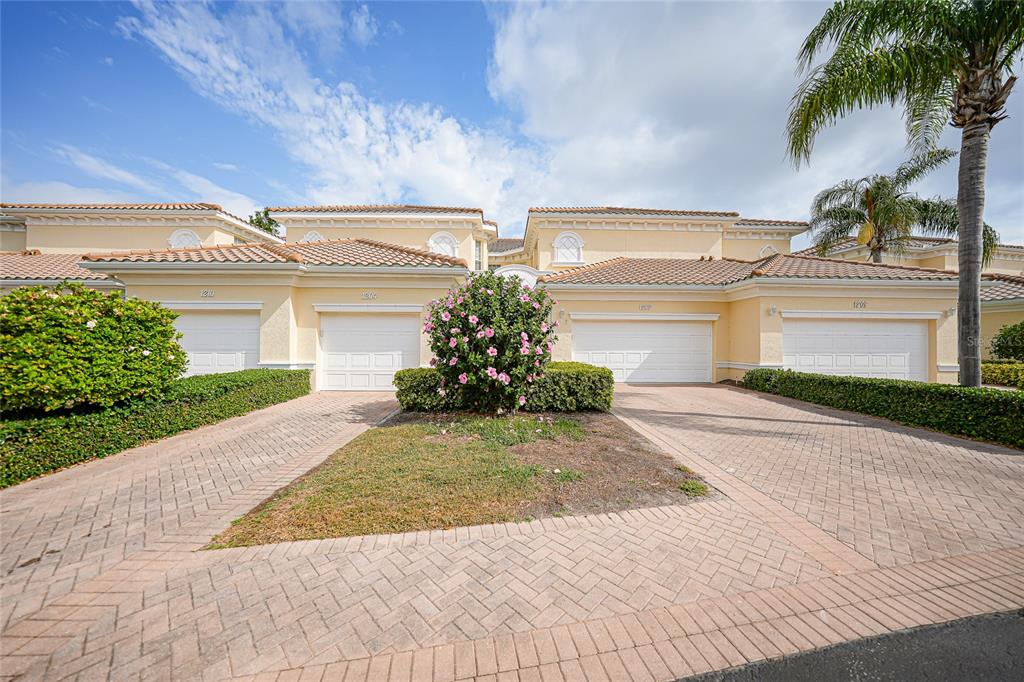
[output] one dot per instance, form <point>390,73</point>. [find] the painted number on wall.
<point>369,295</point>
<point>206,293</point>
<point>860,304</point>
<point>644,307</point>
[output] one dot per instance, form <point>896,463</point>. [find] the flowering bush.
<point>491,338</point>
<point>68,346</point>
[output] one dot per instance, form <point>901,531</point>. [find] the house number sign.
<point>206,293</point>
<point>645,307</point>
<point>860,304</point>
<point>369,295</point>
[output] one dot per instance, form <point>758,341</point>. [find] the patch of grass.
<point>567,475</point>
<point>694,488</point>
<point>509,431</point>
<point>685,469</point>
<point>395,479</point>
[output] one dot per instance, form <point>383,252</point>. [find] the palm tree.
<point>883,215</point>
<point>944,61</point>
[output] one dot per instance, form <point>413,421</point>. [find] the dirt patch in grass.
<point>421,472</point>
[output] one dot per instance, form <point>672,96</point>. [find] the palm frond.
<point>914,169</point>
<point>926,113</point>
<point>846,193</point>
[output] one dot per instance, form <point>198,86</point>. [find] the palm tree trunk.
<point>876,255</point>
<point>971,205</point>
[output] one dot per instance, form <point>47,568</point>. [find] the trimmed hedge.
<point>986,413</point>
<point>565,387</point>
<point>34,446</point>
<point>1006,373</point>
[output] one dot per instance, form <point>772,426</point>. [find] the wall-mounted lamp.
<point>951,312</point>
<point>772,310</point>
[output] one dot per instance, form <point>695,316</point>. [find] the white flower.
<point>90,324</point>
<point>145,352</point>
<point>558,471</point>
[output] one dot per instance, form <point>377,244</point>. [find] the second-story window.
<point>568,248</point>
<point>478,255</point>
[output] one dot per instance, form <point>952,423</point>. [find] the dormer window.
<point>768,250</point>
<point>568,249</point>
<point>312,236</point>
<point>444,244</point>
<point>184,239</point>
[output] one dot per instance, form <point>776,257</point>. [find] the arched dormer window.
<point>768,250</point>
<point>184,239</point>
<point>444,243</point>
<point>568,248</point>
<point>312,236</point>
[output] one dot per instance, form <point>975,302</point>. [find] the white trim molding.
<point>947,368</point>
<point>365,308</point>
<point>862,314</point>
<point>89,283</point>
<point>670,317</point>
<point>212,305</point>
<point>286,365</point>
<point>746,365</point>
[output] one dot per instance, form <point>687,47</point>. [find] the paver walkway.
<point>811,542</point>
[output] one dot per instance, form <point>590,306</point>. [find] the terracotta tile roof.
<point>492,223</point>
<point>618,210</point>
<point>1007,287</point>
<point>118,207</point>
<point>680,271</point>
<point>503,245</point>
<point>44,266</point>
<point>662,271</point>
<point>374,208</point>
<point>753,222</point>
<point>350,252</point>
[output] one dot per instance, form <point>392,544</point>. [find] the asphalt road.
<point>981,649</point>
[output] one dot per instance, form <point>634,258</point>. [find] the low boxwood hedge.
<point>986,413</point>
<point>565,387</point>
<point>1006,373</point>
<point>35,445</point>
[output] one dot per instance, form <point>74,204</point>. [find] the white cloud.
<point>224,166</point>
<point>362,26</point>
<point>99,168</point>
<point>109,61</point>
<point>204,189</point>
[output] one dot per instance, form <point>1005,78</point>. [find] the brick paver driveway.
<point>827,527</point>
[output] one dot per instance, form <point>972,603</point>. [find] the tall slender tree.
<point>943,61</point>
<point>883,214</point>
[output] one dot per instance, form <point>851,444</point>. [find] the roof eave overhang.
<point>108,267</point>
<point>53,281</point>
<point>631,216</point>
<point>756,281</point>
<point>1004,303</point>
<point>372,215</point>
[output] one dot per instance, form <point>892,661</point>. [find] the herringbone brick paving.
<point>406,606</point>
<point>892,493</point>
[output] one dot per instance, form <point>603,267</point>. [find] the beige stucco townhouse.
<point>659,296</point>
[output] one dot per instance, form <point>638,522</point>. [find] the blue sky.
<point>500,106</point>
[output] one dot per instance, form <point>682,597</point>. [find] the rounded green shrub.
<point>491,338</point>
<point>69,346</point>
<point>1008,343</point>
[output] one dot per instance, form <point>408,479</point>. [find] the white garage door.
<point>645,352</point>
<point>220,342</point>
<point>362,352</point>
<point>894,349</point>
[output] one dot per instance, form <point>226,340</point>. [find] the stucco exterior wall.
<point>605,244</point>
<point>12,240</point>
<point>102,238</point>
<point>993,319</point>
<point>752,249</point>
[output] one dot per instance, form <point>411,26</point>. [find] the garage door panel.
<point>362,352</point>
<point>217,342</point>
<point>896,349</point>
<point>646,352</point>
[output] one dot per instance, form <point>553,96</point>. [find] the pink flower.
<point>536,306</point>
<point>525,350</point>
<point>433,362</point>
<point>522,400</point>
<point>465,339</point>
<point>524,336</point>
<point>446,316</point>
<point>556,323</point>
<point>488,332</point>
<point>455,359</point>
<point>529,377</point>
<point>463,378</point>
<point>460,299</point>
<point>463,314</point>
<point>492,351</point>
<point>524,298</point>
<point>473,319</point>
<point>536,363</point>
<point>490,292</point>
<point>504,378</point>
<point>450,303</point>
<point>544,327</point>
<point>453,342</point>
<point>429,326</point>
<point>455,330</point>
<point>550,346</point>
<point>480,334</point>
<point>492,373</point>
<point>526,287</point>
<point>537,350</point>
